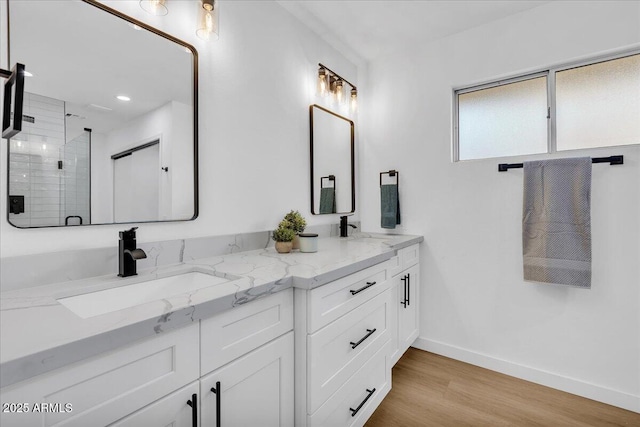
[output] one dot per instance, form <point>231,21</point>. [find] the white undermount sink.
<point>118,298</point>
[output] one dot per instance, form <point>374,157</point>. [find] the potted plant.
<point>298,224</point>
<point>283,235</point>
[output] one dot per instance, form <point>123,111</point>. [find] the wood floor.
<point>432,390</point>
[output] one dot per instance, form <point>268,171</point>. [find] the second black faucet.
<point>343,226</point>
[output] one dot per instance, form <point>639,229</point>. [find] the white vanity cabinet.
<point>106,388</point>
<point>343,330</point>
<point>406,289</point>
<point>166,379</point>
<point>247,364</point>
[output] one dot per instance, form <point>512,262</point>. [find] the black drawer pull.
<point>194,409</point>
<point>369,333</point>
<point>355,411</point>
<point>217,392</point>
<point>404,301</point>
<point>368,285</point>
<point>408,288</point>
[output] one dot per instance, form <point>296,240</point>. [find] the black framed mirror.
<point>332,153</point>
<point>110,118</point>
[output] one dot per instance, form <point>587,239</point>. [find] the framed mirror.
<point>110,118</point>
<point>332,162</point>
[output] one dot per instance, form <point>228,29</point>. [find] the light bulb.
<point>208,21</point>
<point>339,90</point>
<point>154,7</point>
<point>354,99</point>
<point>322,82</point>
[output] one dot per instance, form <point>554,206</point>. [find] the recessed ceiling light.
<point>123,98</point>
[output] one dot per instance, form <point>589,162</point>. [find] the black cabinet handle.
<point>217,392</point>
<point>404,297</point>
<point>368,285</point>
<point>194,409</point>
<point>355,411</point>
<point>408,288</point>
<point>369,333</point>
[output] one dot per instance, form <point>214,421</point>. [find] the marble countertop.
<point>39,334</point>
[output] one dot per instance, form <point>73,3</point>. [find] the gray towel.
<point>327,200</point>
<point>556,221</point>
<point>389,206</point>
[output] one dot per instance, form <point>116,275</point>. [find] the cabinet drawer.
<point>335,299</point>
<point>338,350</point>
<point>104,389</point>
<point>231,334</point>
<point>365,390</point>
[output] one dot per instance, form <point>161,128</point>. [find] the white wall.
<point>169,124</point>
<point>476,306</point>
<point>255,88</point>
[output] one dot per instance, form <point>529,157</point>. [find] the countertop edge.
<point>38,363</point>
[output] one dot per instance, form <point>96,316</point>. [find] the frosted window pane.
<point>504,120</point>
<point>599,105</point>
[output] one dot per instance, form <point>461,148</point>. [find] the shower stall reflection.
<point>75,191</point>
<point>49,175</point>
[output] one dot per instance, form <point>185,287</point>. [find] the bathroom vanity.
<point>294,339</point>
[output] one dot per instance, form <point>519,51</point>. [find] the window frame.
<point>550,74</point>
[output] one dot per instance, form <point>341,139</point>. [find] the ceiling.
<point>86,57</point>
<point>372,29</point>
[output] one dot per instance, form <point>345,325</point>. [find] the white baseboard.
<point>570,385</point>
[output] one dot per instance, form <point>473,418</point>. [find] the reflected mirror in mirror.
<point>110,118</point>
<point>332,162</point>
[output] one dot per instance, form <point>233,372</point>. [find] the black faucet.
<point>343,226</point>
<point>128,253</point>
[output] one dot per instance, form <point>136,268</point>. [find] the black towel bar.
<point>391,172</point>
<point>612,160</point>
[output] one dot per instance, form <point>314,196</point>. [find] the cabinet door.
<point>394,308</point>
<point>408,307</point>
<point>172,410</point>
<point>254,390</point>
<point>106,388</point>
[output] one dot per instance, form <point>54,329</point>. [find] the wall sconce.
<point>208,20</point>
<point>154,7</point>
<point>331,83</point>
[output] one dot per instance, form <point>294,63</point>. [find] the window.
<point>596,104</point>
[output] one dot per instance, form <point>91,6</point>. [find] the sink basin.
<point>114,299</point>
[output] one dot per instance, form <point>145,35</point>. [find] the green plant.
<point>297,221</point>
<point>284,232</point>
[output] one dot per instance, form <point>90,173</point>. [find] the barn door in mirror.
<point>332,162</point>
<point>100,84</point>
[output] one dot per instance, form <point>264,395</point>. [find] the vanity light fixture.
<point>330,82</point>
<point>154,7</point>
<point>208,20</point>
